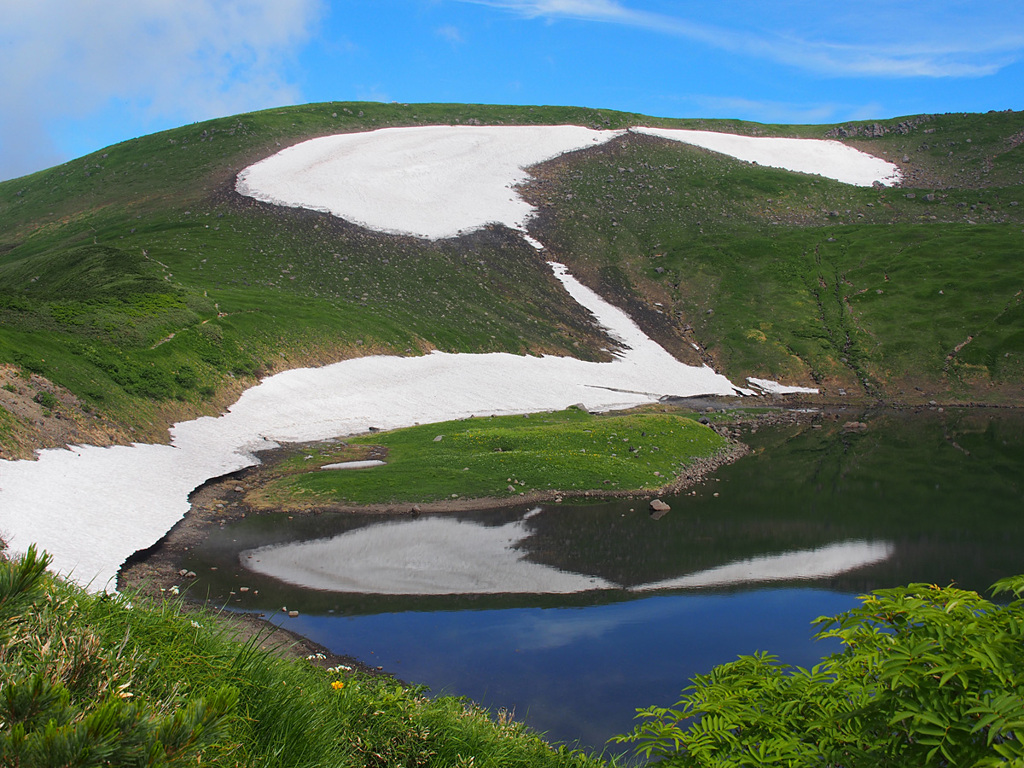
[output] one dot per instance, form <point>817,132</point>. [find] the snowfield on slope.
<point>831,159</point>
<point>92,507</point>
<point>440,181</point>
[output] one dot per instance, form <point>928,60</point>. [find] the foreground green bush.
<point>66,700</point>
<point>100,680</point>
<point>928,676</point>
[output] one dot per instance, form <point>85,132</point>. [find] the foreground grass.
<point>97,680</point>
<point>566,451</point>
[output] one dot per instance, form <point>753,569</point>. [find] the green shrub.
<point>66,700</point>
<point>46,399</point>
<point>928,676</point>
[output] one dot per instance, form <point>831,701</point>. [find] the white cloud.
<point>183,59</point>
<point>945,38</point>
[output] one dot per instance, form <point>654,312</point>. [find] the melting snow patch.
<point>354,464</point>
<point>429,181</point>
<point>774,388</point>
<point>831,159</point>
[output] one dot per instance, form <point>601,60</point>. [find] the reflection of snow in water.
<point>443,556</point>
<point>429,556</point>
<point>818,563</point>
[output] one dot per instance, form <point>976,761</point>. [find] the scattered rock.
<point>439,438</point>
<point>659,508</point>
<point>292,614</point>
<point>855,425</point>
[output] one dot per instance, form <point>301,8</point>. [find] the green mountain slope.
<point>137,288</point>
<point>899,294</point>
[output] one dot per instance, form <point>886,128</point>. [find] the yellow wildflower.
<point>337,685</point>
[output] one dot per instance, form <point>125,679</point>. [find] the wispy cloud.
<point>450,33</point>
<point>767,111</point>
<point>975,45</point>
<point>180,59</point>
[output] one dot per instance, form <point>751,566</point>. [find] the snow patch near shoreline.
<point>774,388</point>
<point>91,508</point>
<point>355,464</point>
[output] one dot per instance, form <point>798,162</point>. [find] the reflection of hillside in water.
<point>444,556</point>
<point>917,497</point>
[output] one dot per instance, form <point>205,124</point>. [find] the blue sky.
<point>78,75</point>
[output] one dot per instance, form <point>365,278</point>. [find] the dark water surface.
<point>816,515</point>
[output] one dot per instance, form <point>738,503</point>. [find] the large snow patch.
<point>441,181</point>
<point>831,159</point>
<point>432,181</point>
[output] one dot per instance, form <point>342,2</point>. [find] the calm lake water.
<point>816,515</point>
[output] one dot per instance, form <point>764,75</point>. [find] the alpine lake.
<point>820,511</point>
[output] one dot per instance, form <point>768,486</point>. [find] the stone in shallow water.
<point>659,509</point>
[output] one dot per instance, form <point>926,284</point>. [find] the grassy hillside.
<point>900,294</point>
<point>137,288</point>
<point>136,279</point>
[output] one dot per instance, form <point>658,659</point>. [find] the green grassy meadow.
<point>139,282</point>
<point>567,452</point>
